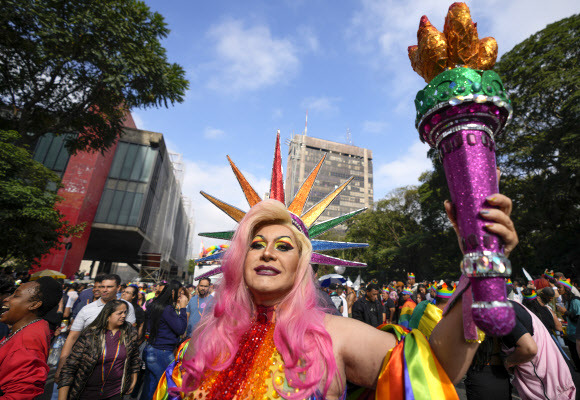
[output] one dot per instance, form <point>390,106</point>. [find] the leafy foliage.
<point>29,224</point>
<point>539,155</point>
<point>77,66</point>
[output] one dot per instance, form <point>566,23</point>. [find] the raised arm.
<point>447,340</point>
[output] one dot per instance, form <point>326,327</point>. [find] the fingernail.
<point>484,211</point>
<point>490,198</point>
<point>488,225</point>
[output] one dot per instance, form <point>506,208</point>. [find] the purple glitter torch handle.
<point>469,163</point>
<point>468,157</point>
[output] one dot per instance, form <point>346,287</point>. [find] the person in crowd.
<point>198,304</point>
<point>332,291</point>
<point>23,353</point>
<point>571,311</point>
<point>538,366</point>
<point>543,313</point>
<point>6,289</point>
<point>131,295</point>
<point>72,296</point>
<point>108,289</point>
<point>407,307</point>
<point>411,282</point>
<point>391,306</point>
<point>154,294</point>
<point>268,297</point>
<point>343,308</point>
<point>350,298</point>
<point>104,362</point>
<point>87,296</point>
<point>165,327</point>
<point>141,299</point>
<point>191,289</point>
<point>369,309</point>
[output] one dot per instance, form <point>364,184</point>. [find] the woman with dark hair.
<point>104,361</point>
<point>546,296</point>
<point>23,353</point>
<point>166,321</point>
<point>543,313</point>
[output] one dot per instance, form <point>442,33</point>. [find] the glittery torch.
<point>461,112</point>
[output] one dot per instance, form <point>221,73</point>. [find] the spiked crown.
<point>303,221</point>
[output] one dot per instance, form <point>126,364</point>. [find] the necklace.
<point>7,338</point>
<point>103,376</point>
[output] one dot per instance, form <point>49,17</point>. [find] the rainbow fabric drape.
<point>171,378</point>
<point>410,370</point>
<point>406,312</point>
<point>425,316</point>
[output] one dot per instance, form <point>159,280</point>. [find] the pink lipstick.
<point>266,270</point>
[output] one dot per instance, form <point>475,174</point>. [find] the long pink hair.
<point>299,335</point>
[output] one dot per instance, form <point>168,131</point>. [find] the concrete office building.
<point>129,200</point>
<point>342,162</point>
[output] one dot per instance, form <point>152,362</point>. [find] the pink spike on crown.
<point>277,185</point>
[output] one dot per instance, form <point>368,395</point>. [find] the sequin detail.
<point>255,373</point>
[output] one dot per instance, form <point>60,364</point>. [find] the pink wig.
<point>299,335</point>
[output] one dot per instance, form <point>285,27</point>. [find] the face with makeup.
<point>271,264</point>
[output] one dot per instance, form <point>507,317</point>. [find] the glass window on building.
<point>50,151</point>
<point>122,200</point>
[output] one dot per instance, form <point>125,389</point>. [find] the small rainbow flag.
<point>410,370</point>
<point>406,312</point>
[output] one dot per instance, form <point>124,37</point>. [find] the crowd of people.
<point>541,351</point>
<point>120,338</point>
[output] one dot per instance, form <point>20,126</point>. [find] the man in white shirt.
<point>108,289</point>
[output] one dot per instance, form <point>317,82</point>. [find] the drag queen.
<point>268,337</point>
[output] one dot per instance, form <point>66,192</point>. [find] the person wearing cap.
<point>407,307</point>
<point>571,311</point>
<point>411,283</point>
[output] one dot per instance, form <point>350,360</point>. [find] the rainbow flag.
<point>425,316</point>
<point>406,312</point>
<point>410,370</point>
<point>171,378</point>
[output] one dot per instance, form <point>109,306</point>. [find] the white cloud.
<point>218,181</point>
<point>375,126</point>
<point>308,39</point>
<point>250,58</point>
<point>322,104</point>
<point>213,133</point>
<point>381,31</point>
<point>403,171</point>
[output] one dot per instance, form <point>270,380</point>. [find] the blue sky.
<point>257,66</point>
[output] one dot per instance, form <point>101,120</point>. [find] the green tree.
<point>29,224</point>
<point>77,66</point>
<point>539,153</point>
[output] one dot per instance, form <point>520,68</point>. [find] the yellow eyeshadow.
<point>258,239</point>
<point>287,242</point>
